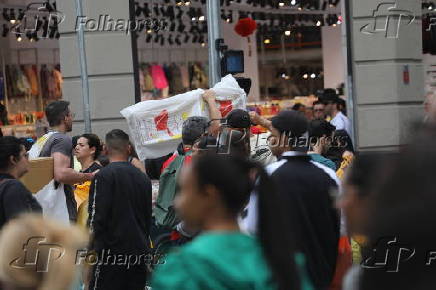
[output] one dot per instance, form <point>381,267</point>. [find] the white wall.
<point>333,56</point>
<point>234,41</point>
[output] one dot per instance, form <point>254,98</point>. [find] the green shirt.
<point>219,260</point>
<point>322,160</point>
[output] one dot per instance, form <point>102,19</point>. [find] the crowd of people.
<point>295,208</point>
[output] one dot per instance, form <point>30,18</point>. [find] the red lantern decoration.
<point>245,27</point>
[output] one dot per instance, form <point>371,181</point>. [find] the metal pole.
<point>83,70</point>
<point>349,73</point>
<point>213,27</point>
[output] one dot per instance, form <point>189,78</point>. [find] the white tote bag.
<point>52,199</point>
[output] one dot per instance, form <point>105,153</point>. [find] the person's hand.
<point>254,117</point>
<point>90,176</point>
<point>209,96</point>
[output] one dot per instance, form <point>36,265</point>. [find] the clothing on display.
<point>22,81</point>
<point>162,81</point>
<point>50,82</point>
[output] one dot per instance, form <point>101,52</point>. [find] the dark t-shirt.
<point>93,168</point>
<point>120,209</point>
<point>15,199</point>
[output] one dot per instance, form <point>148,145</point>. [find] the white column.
<point>388,71</point>
<point>333,56</point>
<point>110,66</point>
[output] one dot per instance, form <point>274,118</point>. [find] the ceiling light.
<point>201,18</point>
<point>281,4</point>
<point>313,76</point>
<point>305,76</point>
<point>267,41</point>
<point>287,32</point>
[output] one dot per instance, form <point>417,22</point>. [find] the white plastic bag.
<point>156,126</point>
<point>53,202</point>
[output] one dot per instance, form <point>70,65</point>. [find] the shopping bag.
<point>53,202</point>
<point>156,125</point>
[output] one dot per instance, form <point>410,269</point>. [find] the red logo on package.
<point>225,107</point>
<point>161,122</point>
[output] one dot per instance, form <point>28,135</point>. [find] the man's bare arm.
<point>64,174</point>
<point>214,113</point>
<point>258,120</point>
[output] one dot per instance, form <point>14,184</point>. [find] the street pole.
<point>214,33</point>
<point>349,74</point>
<point>83,71</point>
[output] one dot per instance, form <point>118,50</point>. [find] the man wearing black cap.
<point>332,103</point>
<point>305,188</point>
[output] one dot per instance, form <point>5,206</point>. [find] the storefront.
<point>30,67</point>
<point>299,48</point>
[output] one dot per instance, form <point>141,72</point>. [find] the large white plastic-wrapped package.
<point>156,125</point>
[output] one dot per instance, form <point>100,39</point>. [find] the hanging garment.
<point>51,85</point>
<point>198,77</point>
<point>23,84</point>
<point>184,71</point>
<point>168,74</point>
<point>32,76</point>
<point>44,78</point>
<point>159,79</point>
<point>148,80</point>
<point>58,83</point>
<point>12,81</point>
<point>176,84</point>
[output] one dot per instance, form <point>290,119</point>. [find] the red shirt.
<point>167,163</point>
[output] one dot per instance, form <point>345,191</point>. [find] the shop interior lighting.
<point>12,18</point>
